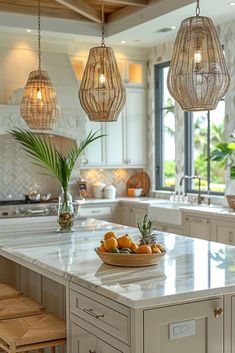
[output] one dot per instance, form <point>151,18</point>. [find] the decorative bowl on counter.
<point>130,260</point>
<point>132,192</point>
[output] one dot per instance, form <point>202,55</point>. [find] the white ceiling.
<point>220,11</point>
<point>138,30</point>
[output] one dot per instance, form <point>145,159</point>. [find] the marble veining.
<point>191,269</point>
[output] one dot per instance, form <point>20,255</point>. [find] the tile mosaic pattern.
<point>115,177</point>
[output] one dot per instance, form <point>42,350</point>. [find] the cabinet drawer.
<point>105,318</point>
<point>96,212</point>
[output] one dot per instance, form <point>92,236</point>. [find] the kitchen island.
<point>184,304</point>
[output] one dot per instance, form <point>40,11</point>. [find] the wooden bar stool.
<point>32,333</point>
<point>18,307</point>
<point>7,291</point>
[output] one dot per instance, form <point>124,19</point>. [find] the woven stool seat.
<point>28,333</point>
<point>17,307</point>
<point>7,291</point>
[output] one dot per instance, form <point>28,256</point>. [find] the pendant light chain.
<point>103,25</point>
<point>39,36</point>
<point>197,9</point>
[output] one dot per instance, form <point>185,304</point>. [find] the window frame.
<point>158,89</point>
<point>188,143</point>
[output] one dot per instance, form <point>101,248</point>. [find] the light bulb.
<point>102,78</point>
<point>39,94</point>
<point>198,56</point>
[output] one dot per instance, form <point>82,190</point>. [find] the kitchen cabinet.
<point>133,72</point>
<point>94,155</point>
<point>98,324</point>
<point>100,211</point>
<point>136,128</point>
<point>125,143</point>
<point>191,327</point>
<point>129,215</point>
<point>223,232</point>
<point>85,342</point>
<point>197,226</point>
<point>169,228</point>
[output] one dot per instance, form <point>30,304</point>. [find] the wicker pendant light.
<point>39,106</point>
<point>102,94</point>
<point>198,77</point>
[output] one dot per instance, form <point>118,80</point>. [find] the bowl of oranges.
<point>123,251</point>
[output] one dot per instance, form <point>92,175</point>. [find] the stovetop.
<point>24,202</point>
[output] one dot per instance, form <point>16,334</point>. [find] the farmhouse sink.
<point>169,212</point>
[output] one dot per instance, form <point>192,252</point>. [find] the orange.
<point>109,235</point>
<point>144,249</point>
<point>134,247</point>
<point>124,241</point>
<point>101,248</point>
<point>110,243</point>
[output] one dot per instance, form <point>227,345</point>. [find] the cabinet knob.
<point>218,312</point>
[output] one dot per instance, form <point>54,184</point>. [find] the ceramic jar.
<point>110,192</point>
<point>98,190</point>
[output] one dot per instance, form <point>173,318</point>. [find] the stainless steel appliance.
<point>19,208</point>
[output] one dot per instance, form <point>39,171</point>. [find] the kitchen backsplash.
<point>115,177</point>
<point>18,174</point>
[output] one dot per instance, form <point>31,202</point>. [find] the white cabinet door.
<point>95,153</point>
<point>224,232</point>
<point>115,142</point>
<point>184,328</point>
<point>198,227</point>
<point>124,215</point>
<point>106,348</point>
<point>138,214</point>
<point>136,129</point>
<point>82,341</point>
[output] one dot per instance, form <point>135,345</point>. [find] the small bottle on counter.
<point>176,196</point>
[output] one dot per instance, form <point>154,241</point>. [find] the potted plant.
<point>44,154</point>
<point>224,154</point>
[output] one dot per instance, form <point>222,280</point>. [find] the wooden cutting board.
<point>139,180</point>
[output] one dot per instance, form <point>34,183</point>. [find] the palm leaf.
<point>44,153</point>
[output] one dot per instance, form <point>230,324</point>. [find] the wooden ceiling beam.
<point>140,3</point>
<point>83,9</point>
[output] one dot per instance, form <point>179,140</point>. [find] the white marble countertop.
<point>150,201</point>
<point>191,269</point>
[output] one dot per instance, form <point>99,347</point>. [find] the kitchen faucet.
<point>200,198</point>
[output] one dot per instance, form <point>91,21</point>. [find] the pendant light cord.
<point>103,25</point>
<point>39,35</point>
<point>197,9</point>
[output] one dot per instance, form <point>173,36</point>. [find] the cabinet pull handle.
<point>218,312</point>
<point>95,211</point>
<point>230,236</point>
<point>90,351</point>
<point>90,312</point>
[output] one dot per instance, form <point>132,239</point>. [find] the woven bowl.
<point>130,260</point>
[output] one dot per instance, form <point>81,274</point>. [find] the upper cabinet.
<point>133,72</point>
<point>125,143</point>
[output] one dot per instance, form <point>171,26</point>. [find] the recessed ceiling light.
<point>123,42</point>
<point>173,27</point>
<point>28,30</point>
<point>232,3</point>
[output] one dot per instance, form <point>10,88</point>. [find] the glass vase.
<point>65,212</point>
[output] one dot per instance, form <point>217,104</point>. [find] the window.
<point>165,131</point>
<point>204,131</point>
